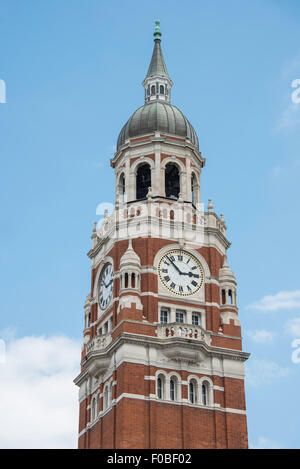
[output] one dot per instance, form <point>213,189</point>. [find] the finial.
<point>222,220</point>
<point>157,33</point>
<point>210,205</point>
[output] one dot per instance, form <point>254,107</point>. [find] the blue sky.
<point>73,73</point>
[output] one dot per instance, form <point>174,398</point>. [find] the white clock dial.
<point>181,272</point>
<point>106,286</point>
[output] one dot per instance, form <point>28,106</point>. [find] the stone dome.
<point>160,116</point>
<point>226,274</point>
<point>130,257</point>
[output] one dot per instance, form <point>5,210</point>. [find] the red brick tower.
<point>162,360</point>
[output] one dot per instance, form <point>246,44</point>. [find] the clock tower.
<point>162,364</point>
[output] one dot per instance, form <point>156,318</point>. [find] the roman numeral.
<point>194,283</point>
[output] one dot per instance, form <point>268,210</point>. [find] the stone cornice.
<point>165,343</point>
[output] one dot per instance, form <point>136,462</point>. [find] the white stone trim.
<point>218,388</point>
<point>153,398</point>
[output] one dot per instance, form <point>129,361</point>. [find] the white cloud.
<point>281,300</point>
<point>262,336</point>
<point>263,372</point>
<point>38,399</point>
<point>292,327</point>
<point>264,443</point>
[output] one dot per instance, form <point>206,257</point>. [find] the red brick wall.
<point>140,423</point>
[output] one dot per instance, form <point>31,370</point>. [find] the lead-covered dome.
<point>158,114</point>
<point>161,116</point>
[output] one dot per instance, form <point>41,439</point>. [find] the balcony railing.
<point>186,331</point>
<point>99,342</point>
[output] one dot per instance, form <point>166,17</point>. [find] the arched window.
<point>160,386</point>
<point>173,388</point>
<point>193,391</point>
<point>162,89</point>
<point>110,394</point>
<point>153,89</point>
<point>143,181</point>
<point>172,181</point>
<point>105,398</point>
<point>94,405</point>
<point>205,393</point>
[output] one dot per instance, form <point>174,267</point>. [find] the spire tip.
<point>157,32</point>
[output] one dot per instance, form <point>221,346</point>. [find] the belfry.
<point>162,364</point>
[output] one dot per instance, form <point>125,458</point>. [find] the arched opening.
<point>192,391</point>
<point>172,181</point>
<point>193,188</point>
<point>143,181</point>
<point>133,280</point>
<point>121,188</point>
<point>153,89</point>
<point>126,280</point>
<point>223,297</point>
<point>161,89</point>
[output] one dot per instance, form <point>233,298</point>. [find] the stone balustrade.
<point>99,342</point>
<point>186,331</point>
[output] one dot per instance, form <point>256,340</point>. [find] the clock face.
<point>106,286</point>
<point>181,272</point>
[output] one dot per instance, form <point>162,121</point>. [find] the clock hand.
<point>175,266</point>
